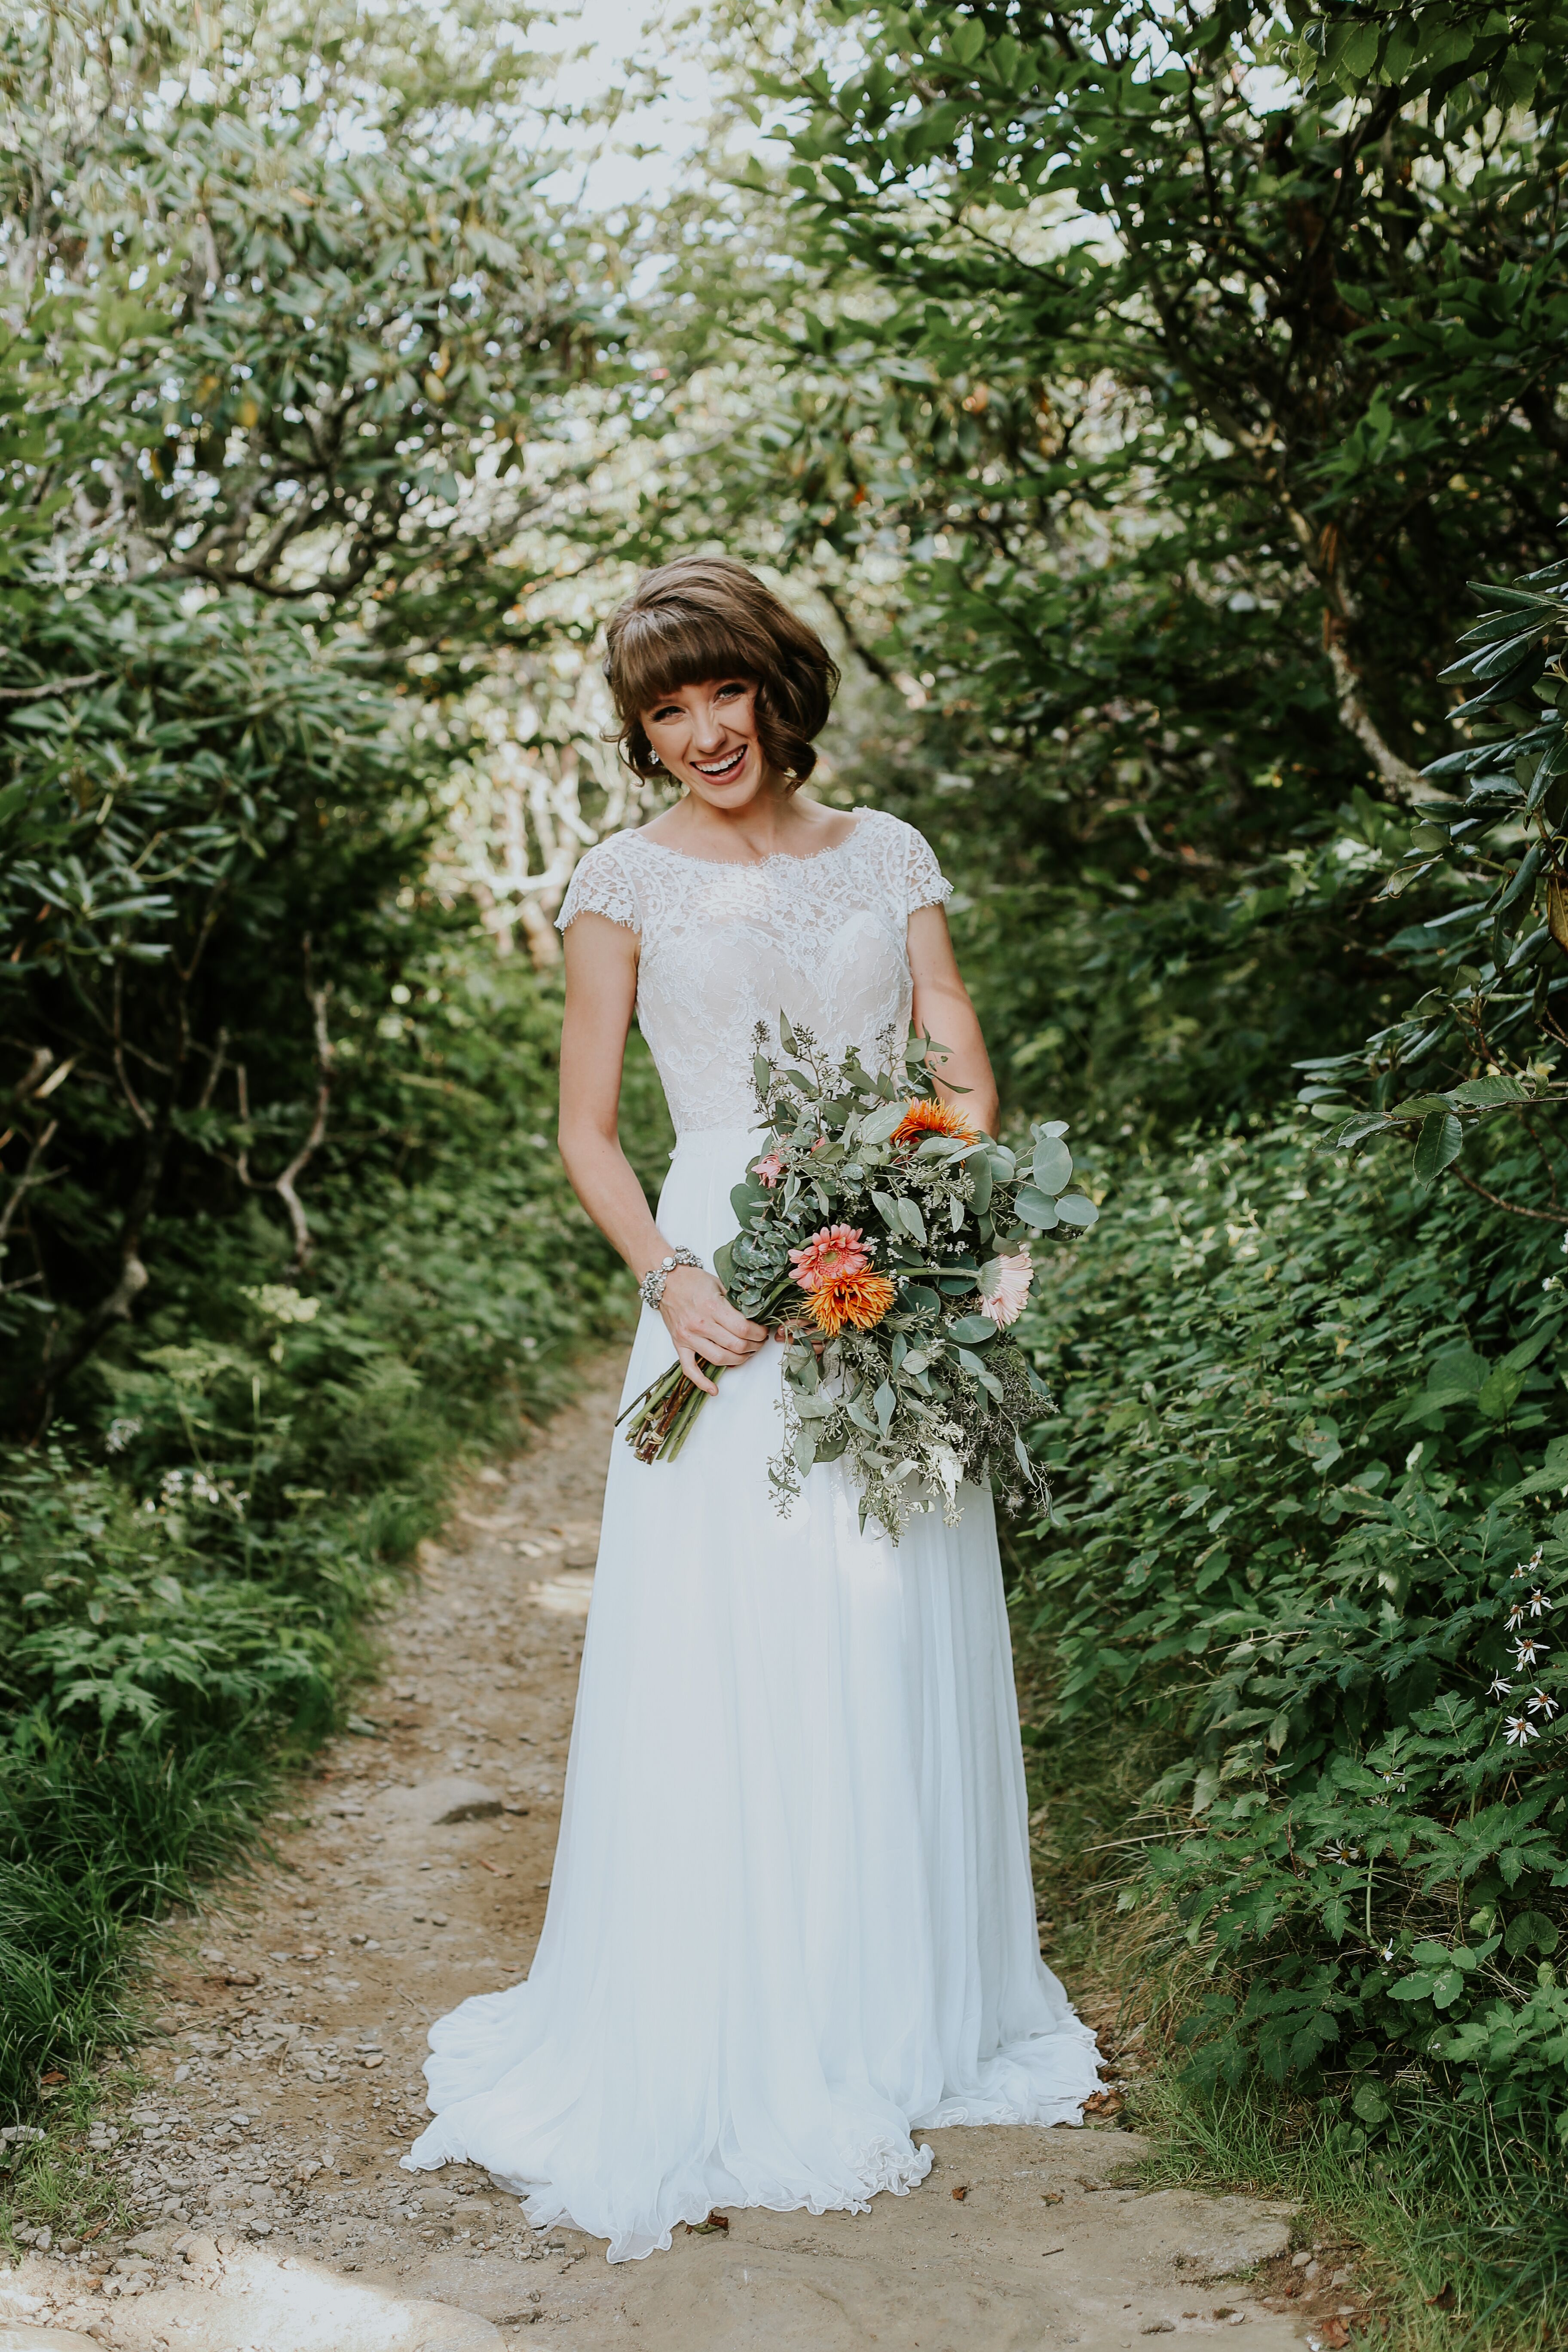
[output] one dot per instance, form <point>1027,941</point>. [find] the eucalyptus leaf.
<point>1052,1165</point>
<point>879,1125</point>
<point>1036,1208</point>
<point>1076,1209</point>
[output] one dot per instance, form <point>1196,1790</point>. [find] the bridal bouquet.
<point>888,1242</point>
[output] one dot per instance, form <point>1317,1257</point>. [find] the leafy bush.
<point>186,1570</point>
<point>1309,1461</point>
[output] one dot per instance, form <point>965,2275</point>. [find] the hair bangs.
<point>672,647</point>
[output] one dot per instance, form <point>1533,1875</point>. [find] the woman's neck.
<point>774,823</point>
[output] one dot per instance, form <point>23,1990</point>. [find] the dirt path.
<point>264,2162</point>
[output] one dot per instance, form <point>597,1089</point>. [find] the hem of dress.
<point>879,2166</point>
<point>883,2168</point>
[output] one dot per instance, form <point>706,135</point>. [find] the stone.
<point>20,2336</point>
<point>200,2250</point>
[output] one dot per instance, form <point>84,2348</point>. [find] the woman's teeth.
<point>723,767</point>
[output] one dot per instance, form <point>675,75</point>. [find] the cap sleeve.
<point>601,885</point>
<point>926,884</point>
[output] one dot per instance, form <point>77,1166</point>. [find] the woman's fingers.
<point>734,1325</point>
<point>695,1374</point>
<point>716,1348</point>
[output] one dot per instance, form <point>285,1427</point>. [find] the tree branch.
<point>284,1184</point>
<point>50,686</point>
<point>1542,1216</point>
<point>862,651</point>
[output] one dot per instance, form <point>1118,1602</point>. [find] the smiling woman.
<point>795,1760</point>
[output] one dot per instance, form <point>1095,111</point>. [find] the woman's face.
<point>707,736</point>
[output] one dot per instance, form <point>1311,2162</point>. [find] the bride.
<point>792,1917</point>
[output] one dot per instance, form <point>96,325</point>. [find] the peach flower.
<point>1004,1287</point>
<point>835,1251</point>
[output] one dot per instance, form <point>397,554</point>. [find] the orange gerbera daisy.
<point>861,1299</point>
<point>936,1117</point>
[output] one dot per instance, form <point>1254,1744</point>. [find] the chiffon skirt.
<point>791,1918</point>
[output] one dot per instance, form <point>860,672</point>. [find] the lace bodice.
<point>821,939</point>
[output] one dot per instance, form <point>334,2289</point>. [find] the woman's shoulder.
<point>907,857</point>
<point>602,883</point>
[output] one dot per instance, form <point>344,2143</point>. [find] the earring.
<point>654,760</point>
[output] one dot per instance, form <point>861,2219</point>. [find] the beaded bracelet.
<point>653,1281</point>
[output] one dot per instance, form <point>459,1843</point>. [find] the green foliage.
<point>185,1572</point>
<point>1189,382</point>
<point>303,287</point>
<point>1493,840</point>
<point>1311,1445</point>
<point>286,312</point>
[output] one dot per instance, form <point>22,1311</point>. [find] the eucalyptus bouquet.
<point>888,1242</point>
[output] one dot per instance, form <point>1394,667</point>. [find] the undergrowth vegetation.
<point>187,1565</point>
<point>1302,1580</point>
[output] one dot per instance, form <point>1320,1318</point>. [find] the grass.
<point>53,2182</point>
<point>1461,2228</point>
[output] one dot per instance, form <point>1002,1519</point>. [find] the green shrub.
<point>187,1567</point>
<point>1311,1448</point>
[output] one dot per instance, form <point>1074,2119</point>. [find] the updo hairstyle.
<point>703,617</point>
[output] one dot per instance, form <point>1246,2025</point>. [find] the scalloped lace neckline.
<point>755,864</point>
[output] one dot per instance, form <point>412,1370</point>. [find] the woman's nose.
<point>708,730</point>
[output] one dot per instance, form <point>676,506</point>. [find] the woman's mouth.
<point>719,771</point>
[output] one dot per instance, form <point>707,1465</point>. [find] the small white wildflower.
<point>121,1433</point>
<point>1515,1617</point>
<point>1541,1702</point>
<point>1340,1854</point>
<point>1539,1601</point>
<point>174,1485</point>
<point>1520,1729</point>
<point>1387,1951</point>
<point>281,1304</point>
<point>1527,1650</point>
<point>1499,1686</point>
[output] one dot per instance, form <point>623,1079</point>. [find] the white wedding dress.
<point>792,1916</point>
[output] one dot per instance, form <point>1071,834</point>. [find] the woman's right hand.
<point>700,1320</point>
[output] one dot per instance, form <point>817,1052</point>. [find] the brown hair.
<point>705,617</point>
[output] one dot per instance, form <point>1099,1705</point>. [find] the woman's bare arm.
<point>942,1009</point>
<point>601,992</point>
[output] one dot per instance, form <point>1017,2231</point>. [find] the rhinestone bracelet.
<point>653,1281</point>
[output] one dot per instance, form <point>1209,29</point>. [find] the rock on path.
<point>411,1870</point>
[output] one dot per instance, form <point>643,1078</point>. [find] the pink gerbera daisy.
<point>827,1256</point>
<point>1004,1287</point>
<point>769,1170</point>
